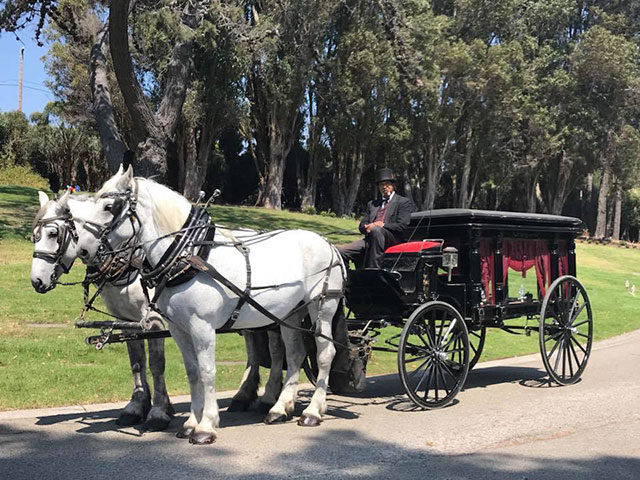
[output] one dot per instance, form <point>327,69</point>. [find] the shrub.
<point>23,176</point>
<point>310,210</point>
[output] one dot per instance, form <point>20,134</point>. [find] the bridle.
<point>120,216</point>
<point>66,233</point>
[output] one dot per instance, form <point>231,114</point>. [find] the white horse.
<point>56,255</point>
<point>57,219</point>
<point>301,266</point>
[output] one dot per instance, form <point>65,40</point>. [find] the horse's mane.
<point>168,209</point>
<point>166,205</point>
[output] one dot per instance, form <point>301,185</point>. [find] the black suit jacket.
<point>397,217</point>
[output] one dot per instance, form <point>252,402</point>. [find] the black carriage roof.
<point>501,220</point>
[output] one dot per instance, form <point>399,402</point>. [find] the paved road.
<point>507,423</point>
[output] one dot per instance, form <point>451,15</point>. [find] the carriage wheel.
<point>433,358</point>
<point>566,330</point>
<point>476,344</point>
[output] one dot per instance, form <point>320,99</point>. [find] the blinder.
<point>66,233</point>
<point>117,207</point>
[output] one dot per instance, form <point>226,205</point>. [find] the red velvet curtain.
<point>520,255</point>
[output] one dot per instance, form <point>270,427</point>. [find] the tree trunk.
<point>346,181</point>
<point>464,199</point>
<point>198,159</point>
<point>153,132</point>
<point>601,220</point>
<point>532,191</point>
<point>587,207</point>
<point>618,212</point>
<point>431,178</point>
<point>102,107</point>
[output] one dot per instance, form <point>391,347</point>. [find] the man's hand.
<point>369,226</point>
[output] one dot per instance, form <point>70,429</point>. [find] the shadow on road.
<point>331,453</point>
<point>382,389</point>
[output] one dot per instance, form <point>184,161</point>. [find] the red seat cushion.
<point>413,247</point>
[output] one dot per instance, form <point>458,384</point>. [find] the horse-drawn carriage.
<point>446,289</point>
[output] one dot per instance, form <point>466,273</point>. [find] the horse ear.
<point>120,171</point>
<point>126,180</point>
<point>64,199</point>
<point>43,198</point>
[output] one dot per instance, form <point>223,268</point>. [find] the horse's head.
<point>112,221</point>
<point>54,235</point>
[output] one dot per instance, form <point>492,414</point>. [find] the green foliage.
<point>22,175</point>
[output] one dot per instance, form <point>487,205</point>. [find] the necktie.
<point>382,210</point>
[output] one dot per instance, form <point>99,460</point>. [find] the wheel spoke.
<point>578,344</point>
<point>555,368</point>
<point>429,369</point>
<point>564,358</point>
<point>575,316</point>
<point>426,344</point>
<point>448,370</point>
<point>588,320</point>
<point>554,349</point>
<point>416,348</point>
<point>456,336</point>
<point>569,359</point>
<point>416,359</point>
<point>444,383</point>
<point>574,354</point>
<point>412,374</point>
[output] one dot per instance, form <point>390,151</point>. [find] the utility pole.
<point>20,79</point>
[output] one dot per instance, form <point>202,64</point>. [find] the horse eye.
<point>53,233</point>
<point>108,206</point>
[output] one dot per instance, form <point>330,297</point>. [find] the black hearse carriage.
<point>449,282</point>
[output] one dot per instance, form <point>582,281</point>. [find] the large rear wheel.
<point>566,330</point>
<point>433,358</point>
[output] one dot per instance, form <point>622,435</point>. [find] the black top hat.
<point>385,175</point>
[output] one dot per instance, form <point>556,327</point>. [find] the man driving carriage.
<point>383,224</point>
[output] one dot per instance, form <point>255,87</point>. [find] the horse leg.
<point>312,415</point>
<point>248,390</point>
<point>203,336</point>
<point>138,407</point>
<point>183,340</point>
<point>162,411</point>
<point>274,384</point>
<point>295,351</point>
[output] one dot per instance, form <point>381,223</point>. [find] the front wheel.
<point>566,330</point>
<point>433,358</point>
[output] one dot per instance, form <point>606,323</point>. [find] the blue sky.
<point>35,94</point>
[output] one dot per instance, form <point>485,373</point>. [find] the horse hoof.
<point>157,420</point>
<point>184,433</point>
<point>238,406</point>
<point>202,438</point>
<point>264,408</point>
<point>127,419</point>
<point>309,421</point>
<point>276,417</point>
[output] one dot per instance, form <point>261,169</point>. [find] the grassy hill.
<point>44,361</point>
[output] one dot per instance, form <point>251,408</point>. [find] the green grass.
<point>44,361</point>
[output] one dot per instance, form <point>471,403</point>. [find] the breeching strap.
<point>205,267</point>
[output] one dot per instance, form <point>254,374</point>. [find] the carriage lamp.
<point>450,259</point>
